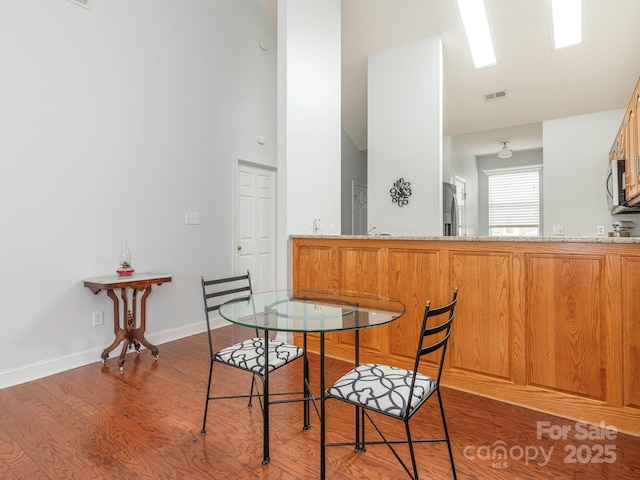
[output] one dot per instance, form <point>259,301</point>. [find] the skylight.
<point>567,22</point>
<point>476,26</point>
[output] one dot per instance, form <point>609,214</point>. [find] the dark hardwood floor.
<point>97,423</point>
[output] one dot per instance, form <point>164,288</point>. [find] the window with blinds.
<point>514,203</point>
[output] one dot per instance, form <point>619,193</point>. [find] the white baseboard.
<point>55,365</point>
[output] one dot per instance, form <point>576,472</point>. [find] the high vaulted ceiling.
<point>541,84</point>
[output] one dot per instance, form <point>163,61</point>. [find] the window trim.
<point>501,170</point>
<point>519,169</point>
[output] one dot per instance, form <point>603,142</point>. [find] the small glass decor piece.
<point>125,269</point>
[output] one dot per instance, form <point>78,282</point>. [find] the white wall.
<point>405,137</point>
<point>576,154</point>
<point>115,121</point>
<point>309,102</point>
<point>463,164</point>
<point>309,122</point>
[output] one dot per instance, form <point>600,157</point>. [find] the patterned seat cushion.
<point>383,388</point>
<point>249,354</point>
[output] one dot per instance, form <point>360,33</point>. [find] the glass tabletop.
<point>311,310</point>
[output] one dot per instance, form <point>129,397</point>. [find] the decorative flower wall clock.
<point>400,192</point>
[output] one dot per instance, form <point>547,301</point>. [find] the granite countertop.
<point>602,239</point>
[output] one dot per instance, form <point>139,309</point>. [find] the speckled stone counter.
<point>558,239</point>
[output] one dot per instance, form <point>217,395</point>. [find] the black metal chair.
<point>248,355</point>
<point>397,392</point>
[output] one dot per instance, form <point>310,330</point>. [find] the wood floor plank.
<point>14,462</point>
<point>95,422</point>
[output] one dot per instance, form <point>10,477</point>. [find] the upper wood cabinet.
<point>625,147</point>
<point>632,169</point>
<point>618,147</point>
<point>633,159</point>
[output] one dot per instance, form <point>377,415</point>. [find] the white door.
<point>358,208</point>
<point>256,225</point>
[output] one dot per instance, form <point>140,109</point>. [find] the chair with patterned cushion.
<point>397,392</point>
<point>247,355</point>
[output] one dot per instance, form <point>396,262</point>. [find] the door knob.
<point>239,247</point>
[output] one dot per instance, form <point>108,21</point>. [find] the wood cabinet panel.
<point>630,124</point>
<point>633,150</point>
<point>310,260</point>
<point>366,274</point>
<point>365,267</point>
<point>415,276</point>
<point>482,338</point>
<point>617,151</point>
<point>631,329</point>
<point>564,333</point>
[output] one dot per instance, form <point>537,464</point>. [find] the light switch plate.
<point>192,218</point>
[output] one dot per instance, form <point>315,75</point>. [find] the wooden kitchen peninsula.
<point>549,324</point>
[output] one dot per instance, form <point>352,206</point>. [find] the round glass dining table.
<point>310,311</point>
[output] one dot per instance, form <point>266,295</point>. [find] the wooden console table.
<point>128,332</point>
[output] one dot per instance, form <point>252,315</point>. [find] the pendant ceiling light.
<point>505,151</point>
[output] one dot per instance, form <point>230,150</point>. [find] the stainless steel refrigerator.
<point>449,209</point>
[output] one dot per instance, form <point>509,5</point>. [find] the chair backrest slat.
<point>227,279</point>
<point>435,346</point>
<point>230,291</point>
<point>218,291</point>
<point>427,344</point>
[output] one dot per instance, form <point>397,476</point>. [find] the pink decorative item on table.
<point>125,269</point>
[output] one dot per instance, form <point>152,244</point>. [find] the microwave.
<point>616,198</point>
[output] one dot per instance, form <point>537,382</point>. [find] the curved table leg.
<point>139,332</point>
<point>119,332</point>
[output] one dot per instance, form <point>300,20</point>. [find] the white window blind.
<point>514,199</point>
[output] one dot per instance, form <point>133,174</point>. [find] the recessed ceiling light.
<point>476,26</point>
<point>567,22</point>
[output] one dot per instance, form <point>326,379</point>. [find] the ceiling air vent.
<point>83,3</point>
<point>495,95</point>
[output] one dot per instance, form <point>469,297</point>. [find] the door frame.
<point>354,184</point>
<point>240,159</point>
<point>462,206</point>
